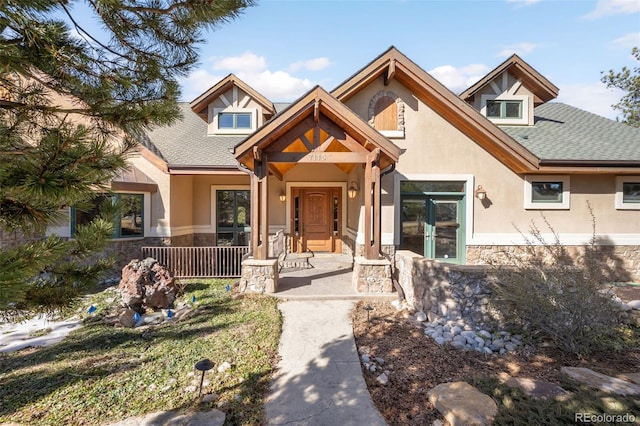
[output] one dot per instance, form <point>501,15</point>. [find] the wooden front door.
<point>316,217</point>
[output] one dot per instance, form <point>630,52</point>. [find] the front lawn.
<point>102,373</point>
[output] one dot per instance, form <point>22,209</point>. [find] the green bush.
<point>552,294</point>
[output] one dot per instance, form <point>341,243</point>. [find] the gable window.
<point>546,192</point>
<point>129,223</point>
<point>628,193</point>
<point>386,114</point>
<point>504,109</point>
<point>234,120</point>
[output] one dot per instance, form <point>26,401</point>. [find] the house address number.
<point>318,157</point>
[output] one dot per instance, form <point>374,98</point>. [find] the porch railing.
<point>200,262</point>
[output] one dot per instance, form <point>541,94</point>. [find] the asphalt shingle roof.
<point>186,143</point>
<point>563,132</point>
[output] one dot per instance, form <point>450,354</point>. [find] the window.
<point>504,109</point>
<point>546,192</point>
<point>628,193</point>
<point>386,114</point>
<point>129,221</point>
<point>233,217</point>
<point>234,120</point>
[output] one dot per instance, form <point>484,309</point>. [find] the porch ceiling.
<point>316,129</point>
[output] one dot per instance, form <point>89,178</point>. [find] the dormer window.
<point>234,121</point>
<point>504,109</point>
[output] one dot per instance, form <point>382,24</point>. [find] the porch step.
<point>373,297</point>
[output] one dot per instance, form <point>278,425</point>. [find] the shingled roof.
<point>186,143</point>
<point>565,133</point>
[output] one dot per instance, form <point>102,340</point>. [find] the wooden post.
<point>367,208</point>
<point>264,209</point>
<point>255,213</point>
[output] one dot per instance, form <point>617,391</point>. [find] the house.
<point>390,159</point>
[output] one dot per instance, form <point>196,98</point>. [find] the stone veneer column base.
<point>372,275</point>
<point>259,276</point>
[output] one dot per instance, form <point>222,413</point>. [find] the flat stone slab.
<point>462,404</point>
<point>536,388</point>
<point>601,381</point>
<point>630,377</point>
<point>175,418</point>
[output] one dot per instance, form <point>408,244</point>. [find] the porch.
<point>329,278</point>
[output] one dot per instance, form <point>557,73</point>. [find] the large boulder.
<point>147,283</point>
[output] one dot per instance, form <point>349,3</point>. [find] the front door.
<point>433,226</point>
<point>316,219</point>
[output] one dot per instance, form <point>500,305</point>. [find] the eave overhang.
<point>201,103</point>
<point>394,64</point>
<point>542,89</point>
<point>317,108</point>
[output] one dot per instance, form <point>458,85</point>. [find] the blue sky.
<point>284,48</point>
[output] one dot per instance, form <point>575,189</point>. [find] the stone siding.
<point>442,290</point>
<point>372,276</point>
<point>16,238</point>
<point>259,276</point>
<point>620,263</point>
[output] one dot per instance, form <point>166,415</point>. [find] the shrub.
<point>551,295</point>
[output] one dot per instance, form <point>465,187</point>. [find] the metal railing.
<point>200,262</point>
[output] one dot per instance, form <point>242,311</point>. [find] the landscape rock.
<point>147,283</point>
<point>601,381</point>
<point>462,404</point>
<point>383,379</point>
<point>224,367</point>
<point>536,388</point>
<point>126,318</point>
<point>634,304</point>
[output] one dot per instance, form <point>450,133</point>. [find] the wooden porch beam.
<point>368,207</point>
<point>264,209</point>
<point>274,171</point>
<point>307,143</point>
<point>391,72</point>
<point>318,157</point>
<point>316,111</point>
<point>342,136</point>
<point>292,135</point>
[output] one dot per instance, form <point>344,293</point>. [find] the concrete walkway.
<point>319,379</point>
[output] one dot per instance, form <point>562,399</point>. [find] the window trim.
<point>619,199</point>
<point>524,119</point>
<point>214,204</point>
<point>565,204</point>
<point>146,218</point>
<point>232,110</point>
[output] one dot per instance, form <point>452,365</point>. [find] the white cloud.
<point>196,83</point>
<point>315,64</point>
<point>247,62</point>
<point>627,41</point>
<point>518,49</point>
<point>279,85</point>
<point>595,98</point>
<point>613,7</point>
<point>459,79</point>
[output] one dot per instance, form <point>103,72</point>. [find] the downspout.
<point>248,171</point>
<point>394,279</point>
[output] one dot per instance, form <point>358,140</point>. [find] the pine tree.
<point>72,100</point>
<point>629,81</point>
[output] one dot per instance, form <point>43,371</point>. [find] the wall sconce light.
<point>353,190</point>
<point>283,197</point>
<point>480,193</point>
